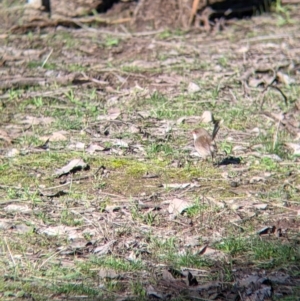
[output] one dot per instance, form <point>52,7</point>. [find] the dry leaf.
<point>70,232</point>
<point>243,49</point>
<point>17,208</point>
<point>260,206</point>
<point>108,274</point>
<point>193,88</point>
<point>103,250</point>
<point>206,116</point>
<point>113,114</point>
<point>35,120</point>
<point>72,166</point>
<point>256,179</point>
<point>6,224</point>
<point>295,147</point>
<point>121,143</point>
<point>178,186</point>
<point>76,146</point>
<point>189,119</point>
<point>285,79</point>
<point>4,136</point>
<point>94,148</point>
<point>22,228</point>
<point>152,292</point>
<point>254,82</point>
<point>12,153</point>
<point>177,206</point>
<point>167,276</point>
<point>56,136</point>
<point>214,254</point>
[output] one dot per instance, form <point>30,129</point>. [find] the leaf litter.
<point>132,110</point>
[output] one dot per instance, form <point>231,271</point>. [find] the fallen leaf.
<point>285,79</point>
<point>4,136</point>
<point>109,274</point>
<point>243,49</point>
<point>51,194</point>
<point>72,166</point>
<point>113,114</point>
<point>274,157</point>
<point>94,148</point>
<point>76,246</point>
<point>167,276</point>
<point>70,232</point>
<point>295,147</point>
<point>56,136</point>
<point>6,224</point>
<point>177,206</point>
<point>121,143</point>
<point>206,116</point>
<point>214,254</point>
<point>12,153</point>
<point>193,88</point>
<point>260,206</point>
<point>192,241</point>
<point>22,228</point>
<point>152,292</point>
<point>76,146</point>
<point>256,179</point>
<point>189,119</point>
<point>170,61</point>
<point>103,250</point>
<point>35,120</point>
<point>266,230</point>
<point>17,208</point>
<point>254,82</point>
<point>178,186</point>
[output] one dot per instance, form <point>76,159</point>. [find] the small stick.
<point>47,58</point>
<point>276,135</point>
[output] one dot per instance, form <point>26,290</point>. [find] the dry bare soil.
<point>102,196</point>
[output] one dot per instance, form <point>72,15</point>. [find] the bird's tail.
<point>217,124</point>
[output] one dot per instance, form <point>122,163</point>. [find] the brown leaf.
<point>61,230</point>
<point>167,276</point>
<point>35,120</point>
<point>108,274</point>
<point>295,147</point>
<point>113,114</point>
<point>103,250</point>
<point>72,166</point>
<point>177,206</point>
<point>4,136</point>
<point>94,148</point>
<point>56,136</point>
<point>17,208</point>
<point>193,88</point>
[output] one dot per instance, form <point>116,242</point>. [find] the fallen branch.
<point>12,82</point>
<point>76,22</point>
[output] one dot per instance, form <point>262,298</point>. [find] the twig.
<point>47,58</point>
<point>42,264</point>
<point>271,37</point>
<point>136,11</point>
<point>194,11</point>
<point>276,88</point>
<point>276,135</point>
<point>10,254</point>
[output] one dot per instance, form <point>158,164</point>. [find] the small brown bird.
<point>204,142</point>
